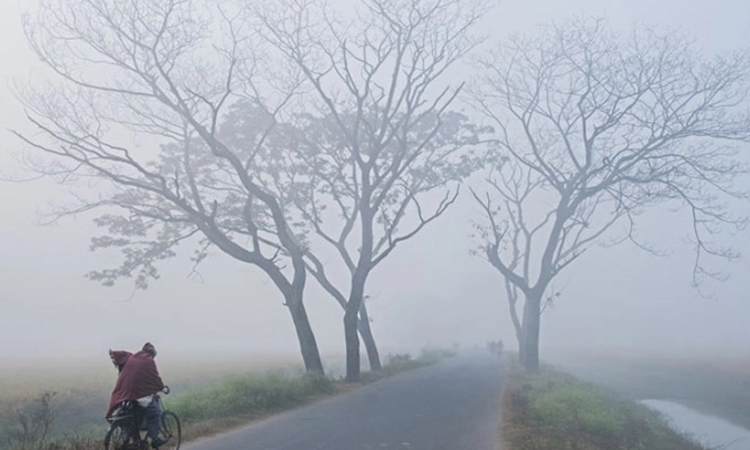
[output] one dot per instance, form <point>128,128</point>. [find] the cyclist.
<point>139,380</point>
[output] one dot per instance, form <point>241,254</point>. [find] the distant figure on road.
<point>138,380</point>
<point>495,347</point>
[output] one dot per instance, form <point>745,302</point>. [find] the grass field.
<point>556,411</point>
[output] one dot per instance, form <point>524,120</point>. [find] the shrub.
<point>35,422</point>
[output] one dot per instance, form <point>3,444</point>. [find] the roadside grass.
<point>204,407</point>
<point>249,396</point>
<point>714,385</point>
<point>555,411</point>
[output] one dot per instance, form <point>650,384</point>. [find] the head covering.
<point>150,349</point>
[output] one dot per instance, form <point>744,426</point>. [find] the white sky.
<point>430,292</point>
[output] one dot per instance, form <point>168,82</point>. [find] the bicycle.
<point>128,426</point>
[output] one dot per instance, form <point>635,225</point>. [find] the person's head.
<point>150,349</point>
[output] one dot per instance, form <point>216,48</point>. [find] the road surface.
<point>452,405</point>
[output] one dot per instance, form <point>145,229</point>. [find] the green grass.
<point>555,411</point>
<point>249,396</point>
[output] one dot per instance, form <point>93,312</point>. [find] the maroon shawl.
<point>138,378</point>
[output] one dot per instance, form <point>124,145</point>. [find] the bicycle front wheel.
<point>170,430</point>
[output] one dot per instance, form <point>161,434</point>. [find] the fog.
<point>430,292</point>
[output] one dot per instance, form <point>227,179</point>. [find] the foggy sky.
<point>430,292</point>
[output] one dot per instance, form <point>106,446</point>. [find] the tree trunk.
<point>512,293</point>
<point>352,344</point>
<point>529,348</point>
<point>351,321</point>
<point>366,333</point>
<point>521,348</point>
<point>307,343</point>
<point>364,321</point>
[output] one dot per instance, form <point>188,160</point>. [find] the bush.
<point>35,422</point>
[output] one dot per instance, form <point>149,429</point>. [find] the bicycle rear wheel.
<point>171,430</point>
<point>119,438</point>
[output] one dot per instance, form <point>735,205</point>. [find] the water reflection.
<point>710,431</point>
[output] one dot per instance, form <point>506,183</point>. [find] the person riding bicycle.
<point>139,380</point>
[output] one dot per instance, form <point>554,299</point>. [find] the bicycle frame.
<point>130,416</point>
<point>128,429</point>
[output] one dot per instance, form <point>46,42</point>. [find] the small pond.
<point>710,431</point>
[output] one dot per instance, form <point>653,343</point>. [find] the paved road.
<point>453,405</point>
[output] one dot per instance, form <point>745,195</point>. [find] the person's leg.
<point>153,422</point>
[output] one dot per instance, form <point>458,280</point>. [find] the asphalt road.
<point>453,405</point>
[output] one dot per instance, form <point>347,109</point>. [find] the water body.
<point>710,431</point>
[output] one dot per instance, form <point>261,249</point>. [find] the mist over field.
<point>431,292</point>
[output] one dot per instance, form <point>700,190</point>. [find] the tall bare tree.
<point>288,175</point>
<point>142,89</point>
<point>399,210</point>
<point>382,139</point>
<point>594,128</point>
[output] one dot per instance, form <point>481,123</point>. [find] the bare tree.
<point>289,176</point>
<point>400,213</point>
<point>137,113</point>
<point>380,138</point>
<point>593,129</point>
